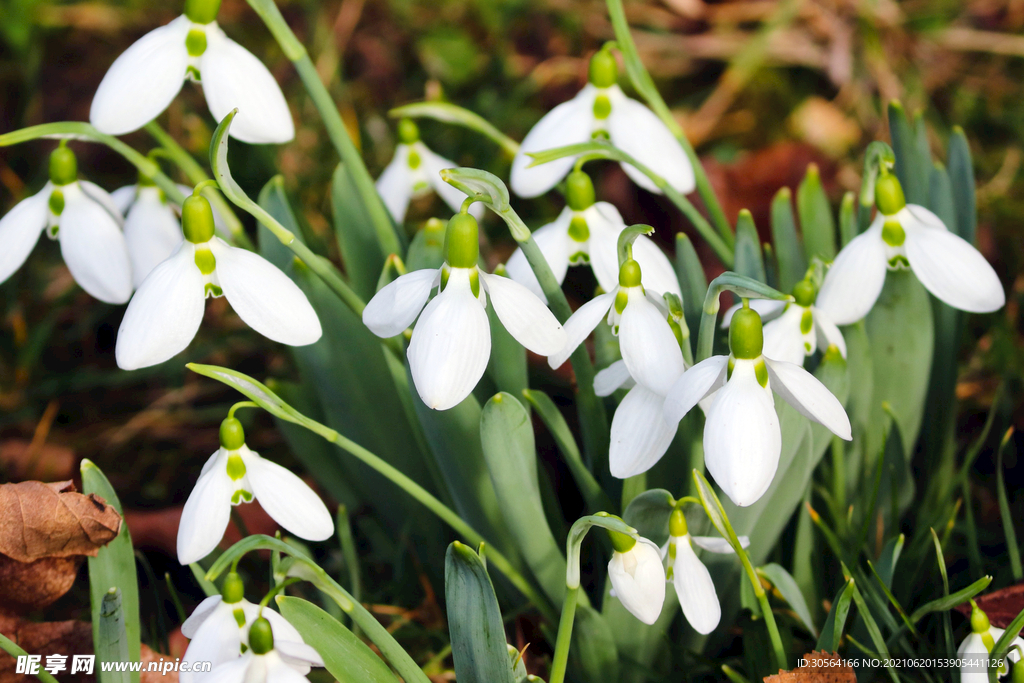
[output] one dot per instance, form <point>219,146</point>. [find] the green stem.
<point>348,551</point>
<point>561,657</point>
<point>839,474</point>
<point>12,648</point>
<point>336,130</point>
<point>645,86</point>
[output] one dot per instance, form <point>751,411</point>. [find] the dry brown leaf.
<point>818,667</point>
<point>28,586</point>
<point>1001,606</point>
<point>53,520</point>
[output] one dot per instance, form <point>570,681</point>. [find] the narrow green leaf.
<point>345,656</point>
<point>886,566</point>
<point>648,513</point>
<point>594,653</point>
<point>947,625</point>
<point>832,631</point>
<point>450,113</point>
<point>357,238</point>
<point>922,153</point>
<point>474,620</point>
<point>748,261</point>
<point>847,219</point>
<point>208,588</point>
<point>952,600</point>
<point>961,176</point>
<point>113,567</point>
<point>816,221</point>
<point>789,251</point>
<point>786,585</point>
<point>692,282</point>
<point>1009,532</point>
<point>904,145</point>
<point>112,645</point>
<point>507,364</point>
<point>1002,646</point>
<point>892,599</point>
<point>873,630</point>
<point>12,648</point>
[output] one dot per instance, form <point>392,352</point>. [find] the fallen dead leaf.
<point>819,667</point>
<point>28,586</point>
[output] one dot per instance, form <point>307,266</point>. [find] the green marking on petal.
<point>899,261</point>
<point>578,229</point>
<point>579,257</point>
<point>731,367</point>
<point>761,372</point>
<point>602,107</point>
<point>205,261</point>
<point>669,573</point>
<point>413,159</point>
<point>212,290</point>
<point>474,282</point>
<point>52,231</point>
<point>600,135</point>
<point>235,467</point>
<point>621,299</point>
<point>807,348</point>
<point>193,73</point>
<point>195,42</point>
<point>893,234</point>
<point>806,321</point>
<point>57,202</point>
<point>239,616</point>
<point>241,496</point>
<point>445,275</point>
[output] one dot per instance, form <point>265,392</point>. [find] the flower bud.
<point>197,219</point>
<point>408,131</point>
<point>604,70</point>
<point>579,191</point>
<point>677,523</point>
<point>746,336</point>
<point>202,11</point>
<point>462,241</point>
<point>261,637</point>
<point>804,292</point>
<point>629,274</point>
<point>233,589</point>
<point>620,541</point>
<point>232,436</point>
<point>979,620</point>
<point>889,194</point>
<point>63,166</point>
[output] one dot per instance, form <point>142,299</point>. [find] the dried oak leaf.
<point>1001,606</point>
<point>53,520</point>
<point>29,586</point>
<point>818,667</point>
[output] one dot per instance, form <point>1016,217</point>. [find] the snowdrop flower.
<point>977,648</point>
<point>147,76</point>
<point>269,659</point>
<point>164,315</point>
<point>601,109</point>
<point>798,328</point>
<point>588,233</point>
<point>235,475</point>
<point>83,218</point>
<point>152,230</point>
<point>637,576</point>
<point>907,236</point>
<point>451,343</point>
<point>742,441</point>
<point>415,171</point>
<point>219,628</point>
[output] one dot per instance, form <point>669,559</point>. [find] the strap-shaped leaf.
<point>786,585</point>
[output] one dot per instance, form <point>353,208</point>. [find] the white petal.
<point>949,267</point>
<point>142,81</point>
<point>164,315</point>
<point>783,339</point>
<point>554,243</point>
<point>695,589</point>
<point>283,630</point>
<point>264,297</point>
<point>640,587</point>
<point>717,544</point>
<point>282,670</point>
<point>811,398</point>
<point>395,184</point>
<point>234,671</point>
<point>233,77</point>
<point>124,197</point>
<point>656,272</point>
<point>580,324</point>
<point>433,164</point>
<point>217,640</point>
<point>766,308</point>
<point>450,345</point>
<point>297,651</point>
<point>106,200</point>
<point>605,224</point>
<point>20,230</point>
<point>200,614</point>
<point>649,348</point>
<point>640,435</point>
<point>525,316</point>
<point>93,247</point>
<point>694,384</point>
<point>742,441</point>
<point>567,124</point>
<point>396,305</point>
<point>206,514</point>
<point>639,132</point>
<point>611,378</point>
<point>855,280</point>
<point>828,333</point>
<point>152,233</point>
<point>287,499</point>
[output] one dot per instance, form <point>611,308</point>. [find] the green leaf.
<point>12,648</point>
<point>1004,511</point>
<point>594,653</point>
<point>692,282</point>
<point>832,631</point>
<point>789,251</point>
<point>648,513</point>
<point>450,113</point>
<point>886,566</point>
<point>1002,646</point>
<point>426,251</point>
<point>873,630</point>
<point>112,645</point>
<point>507,364</point>
<point>357,238</point>
<point>816,221</point>
<point>961,176</point>
<point>749,261</point>
<point>506,434</point>
<point>784,582</point>
<point>474,620</point>
<point>952,600</point>
<point>345,656</point>
<point>113,567</point>
<point>904,145</point>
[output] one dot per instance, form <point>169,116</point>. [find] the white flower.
<point>742,441</point>
<point>234,475</point>
<point>147,76</point>
<point>907,236</point>
<point>269,659</point>
<point>152,230</point>
<point>451,343</point>
<point>638,579</point>
<point>976,649</point>
<point>165,313</point>
<point>602,109</point>
<point>588,232</point>
<point>413,172</point>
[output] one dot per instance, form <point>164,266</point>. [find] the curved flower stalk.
<point>148,75</point>
<point>234,475</point>
<point>413,172</point>
<point>86,222</point>
<point>165,313</point>
<point>269,658</point>
<point>978,645</point>
<point>219,629</point>
<point>799,328</point>
<point>451,343</point>
<point>588,233</point>
<point>742,440</point>
<point>601,109</point>
<point>907,236</point>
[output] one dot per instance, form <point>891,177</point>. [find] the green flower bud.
<point>604,70</point>
<point>63,166</point>
<point>629,274</point>
<point>979,620</point>
<point>579,191</point>
<point>202,11</point>
<point>232,436</point>
<point>462,241</point>
<point>889,194</point>
<point>746,337</point>
<point>621,542</point>
<point>804,292</point>
<point>197,219</point>
<point>261,637</point>
<point>677,523</point>
<point>408,131</point>
<point>233,589</point>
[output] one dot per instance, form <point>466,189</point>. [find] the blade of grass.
<point>1004,510</point>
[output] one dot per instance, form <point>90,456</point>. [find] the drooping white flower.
<point>637,576</point>
<point>219,628</point>
<point>907,236</point>
<point>269,658</point>
<point>976,649</point>
<point>234,475</point>
<point>451,343</point>
<point>146,77</point>
<point>152,231</point>
<point>742,440</point>
<point>165,313</point>
<point>601,109</point>
<point>588,233</point>
<point>86,222</point>
<point>413,172</point>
